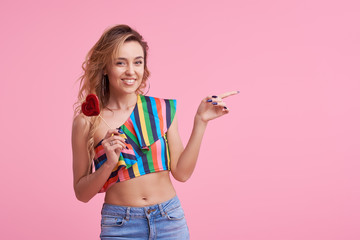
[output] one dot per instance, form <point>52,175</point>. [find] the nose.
<point>130,69</point>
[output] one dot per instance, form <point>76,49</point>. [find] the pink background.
<point>284,164</point>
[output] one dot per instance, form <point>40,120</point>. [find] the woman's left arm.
<point>183,161</point>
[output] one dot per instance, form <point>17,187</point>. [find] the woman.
<point>134,142</point>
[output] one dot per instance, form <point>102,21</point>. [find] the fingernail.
<point>225,107</point>
<point>210,100</point>
<point>214,103</point>
<point>214,96</point>
<point>238,91</point>
<point>127,148</point>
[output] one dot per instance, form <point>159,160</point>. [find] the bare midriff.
<point>146,190</point>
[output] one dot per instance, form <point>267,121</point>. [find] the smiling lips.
<point>128,81</point>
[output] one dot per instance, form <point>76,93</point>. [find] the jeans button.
<point>150,211</point>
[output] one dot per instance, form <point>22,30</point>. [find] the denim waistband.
<point>161,208</point>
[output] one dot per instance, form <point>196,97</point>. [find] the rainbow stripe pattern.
<point>145,132</point>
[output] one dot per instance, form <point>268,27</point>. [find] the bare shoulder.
<point>80,127</point>
<point>80,122</point>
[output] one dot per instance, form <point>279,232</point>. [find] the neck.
<point>122,101</point>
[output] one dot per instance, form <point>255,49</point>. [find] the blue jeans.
<point>161,221</point>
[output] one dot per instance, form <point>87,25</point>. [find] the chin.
<point>129,91</point>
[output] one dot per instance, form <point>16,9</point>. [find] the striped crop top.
<point>145,131</point>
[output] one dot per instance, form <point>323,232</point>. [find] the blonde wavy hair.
<point>98,57</point>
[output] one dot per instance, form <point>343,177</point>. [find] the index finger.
<point>227,94</point>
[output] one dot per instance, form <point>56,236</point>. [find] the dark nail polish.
<point>225,107</point>
<point>214,96</point>
<point>210,100</point>
<point>214,103</point>
<point>127,148</point>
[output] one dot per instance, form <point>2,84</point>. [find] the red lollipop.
<point>91,106</point>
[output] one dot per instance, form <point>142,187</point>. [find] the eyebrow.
<point>120,58</point>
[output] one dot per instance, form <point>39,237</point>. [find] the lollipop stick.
<point>104,121</point>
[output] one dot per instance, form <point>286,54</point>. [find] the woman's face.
<point>126,71</point>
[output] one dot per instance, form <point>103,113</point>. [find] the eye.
<point>120,63</point>
<point>138,62</point>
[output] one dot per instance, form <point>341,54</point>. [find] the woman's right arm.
<point>86,186</point>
